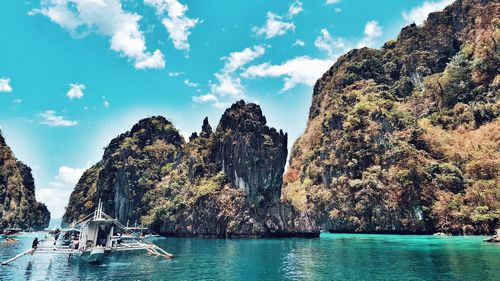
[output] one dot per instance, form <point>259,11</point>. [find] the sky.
<point>76,73</point>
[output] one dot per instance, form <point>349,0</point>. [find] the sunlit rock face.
<point>131,166</point>
<point>401,139</point>
<point>18,205</point>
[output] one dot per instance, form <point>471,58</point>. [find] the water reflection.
<point>28,271</point>
<point>334,257</point>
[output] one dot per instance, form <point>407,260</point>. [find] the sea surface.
<point>330,257</point>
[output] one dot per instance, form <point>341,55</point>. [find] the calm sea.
<point>331,257</point>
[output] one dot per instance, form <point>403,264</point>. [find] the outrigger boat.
<point>93,237</point>
<point>141,231</point>
<point>11,231</point>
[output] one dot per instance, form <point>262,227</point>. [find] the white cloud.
<point>325,42</point>
<point>75,91</point>
<point>372,31</point>
<point>299,42</point>
<point>206,98</point>
<point>69,176</point>
<point>56,194</point>
<point>176,22</point>
<point>156,60</point>
<point>236,60</point>
<point>338,10</point>
<point>18,101</point>
<point>105,102</point>
<point>188,83</point>
<point>295,8</point>
<point>299,70</point>
<point>331,2</point>
<point>5,85</point>
<point>274,26</point>
<point>228,82</point>
<point>108,18</point>
<point>175,74</point>
<point>50,118</point>
<point>419,14</point>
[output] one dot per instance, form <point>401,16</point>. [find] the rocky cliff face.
<point>405,138</point>
<point>225,183</point>
<point>251,154</point>
<point>132,164</point>
<point>18,206</point>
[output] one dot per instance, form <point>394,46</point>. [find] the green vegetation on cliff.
<point>406,138</point>
<point>18,205</point>
<point>225,183</point>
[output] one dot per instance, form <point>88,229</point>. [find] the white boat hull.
<point>96,255</point>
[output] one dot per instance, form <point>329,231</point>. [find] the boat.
<point>69,235</point>
<point>495,238</point>
<point>94,237</point>
<point>141,231</point>
<point>11,231</point>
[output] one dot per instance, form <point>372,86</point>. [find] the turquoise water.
<point>331,257</point>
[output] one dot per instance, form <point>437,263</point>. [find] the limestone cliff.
<point>225,183</point>
<point>132,164</point>
<point>405,138</point>
<point>18,205</point>
<point>251,154</point>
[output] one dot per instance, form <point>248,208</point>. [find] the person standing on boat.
<point>57,232</point>
<point>34,245</point>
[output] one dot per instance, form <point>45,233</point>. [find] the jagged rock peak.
<point>242,117</point>
<point>206,129</point>
<point>145,132</point>
<point>250,153</point>
<point>193,136</point>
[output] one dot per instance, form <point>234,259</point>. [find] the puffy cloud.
<point>228,82</point>
<point>5,85</point>
<point>75,91</point>
<point>372,31</point>
<point>206,98</point>
<point>299,70</point>
<point>156,60</point>
<point>236,60</point>
<point>295,8</point>
<point>56,194</point>
<point>188,83</point>
<point>176,22</point>
<point>18,101</point>
<point>325,42</point>
<point>274,26</point>
<point>105,17</point>
<point>299,42</point>
<point>50,118</point>
<point>69,176</point>
<point>331,2</point>
<point>419,14</point>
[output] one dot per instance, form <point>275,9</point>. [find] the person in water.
<point>10,240</point>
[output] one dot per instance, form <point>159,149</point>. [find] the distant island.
<point>402,139</point>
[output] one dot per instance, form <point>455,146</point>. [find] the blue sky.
<point>76,73</point>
